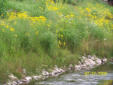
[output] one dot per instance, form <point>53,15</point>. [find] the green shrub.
<point>3,7</point>
<point>48,42</point>
<point>72,37</point>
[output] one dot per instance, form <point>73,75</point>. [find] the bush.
<point>3,7</point>
<point>48,42</point>
<point>71,37</point>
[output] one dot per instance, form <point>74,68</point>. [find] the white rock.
<point>70,67</point>
<point>83,57</point>
<point>98,61</point>
<point>93,58</point>
<point>80,63</point>
<point>11,83</point>
<point>89,56</point>
<point>56,69</point>
<point>105,60</point>
<point>24,71</point>
<point>61,70</point>
<point>84,66</point>
<point>54,73</point>
<point>87,62</point>
<point>27,80</point>
<point>77,67</point>
<point>92,62</point>
<point>45,73</point>
<point>14,83</point>
<point>12,77</point>
<point>36,77</point>
<point>19,82</point>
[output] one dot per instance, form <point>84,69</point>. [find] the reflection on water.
<point>106,82</point>
<point>78,78</point>
<point>106,67</point>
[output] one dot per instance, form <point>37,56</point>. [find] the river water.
<point>102,75</point>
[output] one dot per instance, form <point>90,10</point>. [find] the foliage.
<point>3,7</point>
<point>40,34</point>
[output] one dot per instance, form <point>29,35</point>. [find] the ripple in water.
<point>78,78</point>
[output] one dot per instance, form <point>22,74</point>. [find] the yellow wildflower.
<point>59,42</point>
<point>7,26</point>
<point>36,32</point>
<point>52,8</point>
<point>11,15</point>
<point>61,36</point>
<point>56,31</point>
<point>12,29</point>
<point>42,18</point>
<point>88,10</point>
<point>64,43</point>
<point>22,15</point>
<point>48,25</point>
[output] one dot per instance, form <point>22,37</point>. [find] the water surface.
<point>102,75</point>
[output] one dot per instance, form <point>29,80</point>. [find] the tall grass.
<point>39,34</point>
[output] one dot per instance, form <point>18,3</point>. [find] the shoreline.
<point>86,63</point>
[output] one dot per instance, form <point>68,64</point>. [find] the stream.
<point>102,75</point>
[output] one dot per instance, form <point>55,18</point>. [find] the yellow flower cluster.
<point>12,21</point>
<point>4,25</point>
<point>52,8</point>
<point>70,16</point>
<point>22,15</point>
<point>88,10</point>
<point>40,18</point>
<point>61,40</point>
<point>99,16</point>
<point>13,16</point>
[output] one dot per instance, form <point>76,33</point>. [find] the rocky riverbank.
<point>86,63</point>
